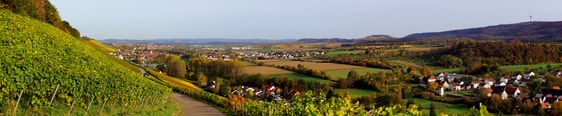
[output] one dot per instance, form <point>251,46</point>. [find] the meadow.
<point>265,70</point>
<point>355,93</point>
<point>335,53</point>
<point>312,65</point>
<point>343,73</point>
<point>304,77</point>
<point>440,106</point>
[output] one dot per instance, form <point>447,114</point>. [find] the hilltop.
<point>525,31</point>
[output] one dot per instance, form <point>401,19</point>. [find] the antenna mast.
<point>530,18</point>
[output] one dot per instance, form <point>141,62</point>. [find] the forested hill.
<point>501,53</point>
<point>525,31</point>
<point>41,10</point>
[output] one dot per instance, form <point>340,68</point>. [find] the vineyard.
<point>43,67</point>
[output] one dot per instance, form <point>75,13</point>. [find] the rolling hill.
<point>37,56</point>
<point>525,31</point>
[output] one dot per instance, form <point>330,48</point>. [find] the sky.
<point>293,19</point>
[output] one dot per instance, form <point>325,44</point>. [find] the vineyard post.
<point>17,103</point>
<point>54,94</point>
<point>90,104</point>
<point>113,106</point>
<point>71,106</point>
<point>142,103</point>
<point>101,109</point>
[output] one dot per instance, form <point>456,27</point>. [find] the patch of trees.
<point>216,68</point>
<point>502,53</point>
<point>362,62</point>
<point>41,10</point>
<point>257,80</point>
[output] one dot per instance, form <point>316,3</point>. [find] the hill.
<point>198,41</point>
<point>36,57</point>
<point>375,38</point>
<point>325,40</point>
<point>41,10</point>
<point>525,31</point>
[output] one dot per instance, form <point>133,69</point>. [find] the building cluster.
<point>511,87</point>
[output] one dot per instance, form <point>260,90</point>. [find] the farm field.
<point>304,77</point>
<point>335,53</point>
<point>265,70</point>
<point>414,65</point>
<point>440,106</point>
<point>355,93</point>
<point>312,65</point>
<point>522,67</point>
<point>335,74</point>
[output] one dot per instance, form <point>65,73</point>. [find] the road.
<point>192,107</point>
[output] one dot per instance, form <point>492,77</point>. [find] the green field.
<point>335,53</point>
<point>355,93</point>
<point>441,106</point>
<point>513,68</point>
<point>335,74</point>
<point>304,77</point>
<point>522,67</point>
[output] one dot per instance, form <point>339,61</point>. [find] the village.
<point>507,88</point>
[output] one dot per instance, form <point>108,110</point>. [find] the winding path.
<point>192,107</point>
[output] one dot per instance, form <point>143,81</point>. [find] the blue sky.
<point>293,19</point>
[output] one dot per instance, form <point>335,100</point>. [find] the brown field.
<point>312,65</point>
<point>418,49</point>
<point>265,70</point>
<point>406,63</point>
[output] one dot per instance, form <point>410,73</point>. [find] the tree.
<point>426,71</point>
<point>201,79</point>
<point>433,86</point>
<point>556,109</point>
<point>353,75</point>
<point>176,67</point>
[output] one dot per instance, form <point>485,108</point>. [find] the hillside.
<point>525,31</point>
<point>41,10</point>
<point>36,57</point>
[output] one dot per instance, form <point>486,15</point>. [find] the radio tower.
<point>530,18</point>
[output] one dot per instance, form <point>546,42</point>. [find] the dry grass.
<point>406,63</point>
<point>265,70</point>
<point>312,65</point>
<point>418,49</point>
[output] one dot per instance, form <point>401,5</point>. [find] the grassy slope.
<point>99,45</point>
<point>106,49</point>
<point>343,73</point>
<point>36,56</point>
<point>173,81</point>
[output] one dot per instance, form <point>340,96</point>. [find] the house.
<point>500,90</point>
<point>444,84</point>
<point>431,79</point>
<point>454,86</point>
<point>512,92</point>
<point>528,75</point>
<point>476,84</point>
<point>516,77</point>
<point>504,79</point>
<point>490,81</point>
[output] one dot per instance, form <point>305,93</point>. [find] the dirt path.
<point>192,107</point>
